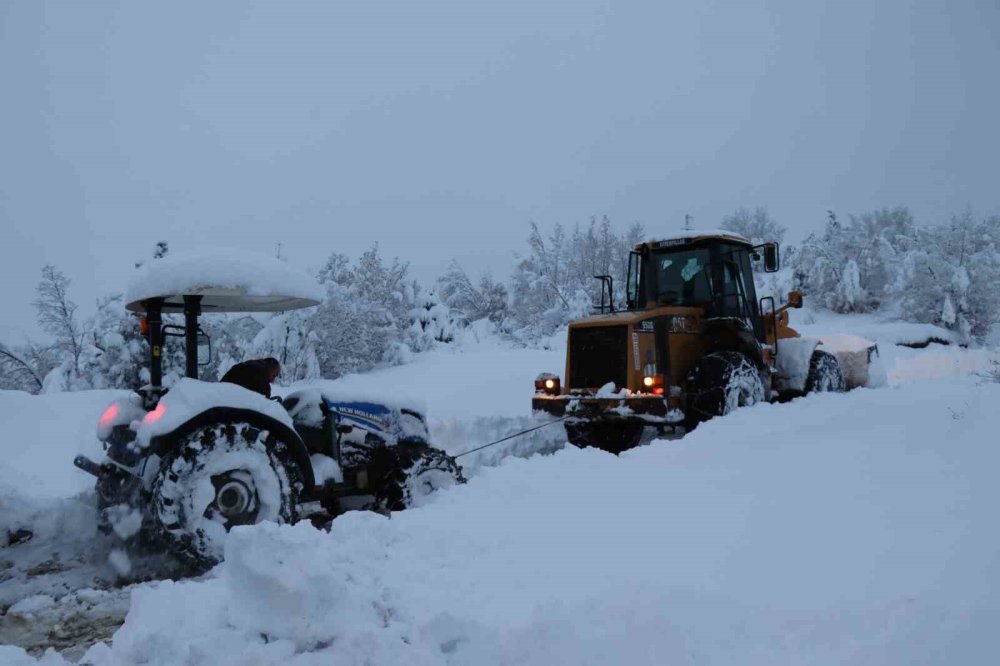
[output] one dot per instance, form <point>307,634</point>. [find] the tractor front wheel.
<point>404,474</point>
<point>218,477</point>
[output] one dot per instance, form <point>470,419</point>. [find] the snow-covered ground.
<point>856,528</point>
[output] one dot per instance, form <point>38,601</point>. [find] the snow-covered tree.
<point>869,244</point>
<point>554,281</point>
<point>115,351</point>
<point>24,368</point>
<point>487,300</point>
<point>57,316</point>
<point>757,225</point>
<point>950,276</point>
<point>433,322</point>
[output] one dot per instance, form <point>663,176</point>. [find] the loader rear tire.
<point>719,384</point>
<point>824,375</point>
<point>611,436</point>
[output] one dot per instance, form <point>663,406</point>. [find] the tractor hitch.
<point>87,465</point>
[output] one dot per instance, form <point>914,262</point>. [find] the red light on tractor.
<point>144,326</point>
<point>108,417</point>
<point>155,415</point>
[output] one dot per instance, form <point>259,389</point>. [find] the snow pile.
<point>484,379</point>
<point>229,280</point>
<point>189,397</point>
<point>41,436</point>
<point>839,528</point>
<point>879,328</point>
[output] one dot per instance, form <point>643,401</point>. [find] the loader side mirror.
<point>795,299</point>
<point>771,259</point>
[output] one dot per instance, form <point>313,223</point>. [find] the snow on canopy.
<point>691,235</point>
<point>228,281</point>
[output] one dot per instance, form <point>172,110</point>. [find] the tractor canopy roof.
<point>689,236</point>
<point>227,280</point>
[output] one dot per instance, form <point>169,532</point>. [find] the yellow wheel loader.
<point>692,342</point>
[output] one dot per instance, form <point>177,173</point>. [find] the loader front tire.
<point>721,383</point>
<point>824,375</point>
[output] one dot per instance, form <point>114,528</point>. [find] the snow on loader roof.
<point>228,281</point>
<point>692,235</point>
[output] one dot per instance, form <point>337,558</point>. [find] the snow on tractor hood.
<point>227,281</point>
<point>190,397</point>
<point>374,411</point>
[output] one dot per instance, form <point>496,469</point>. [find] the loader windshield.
<point>683,277</point>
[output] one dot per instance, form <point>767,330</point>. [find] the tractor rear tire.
<point>719,384</point>
<point>824,375</point>
<point>611,436</point>
<point>404,474</point>
<point>218,477</point>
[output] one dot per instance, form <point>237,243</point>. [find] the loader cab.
<point>714,273</point>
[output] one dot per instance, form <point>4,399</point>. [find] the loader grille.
<point>598,356</point>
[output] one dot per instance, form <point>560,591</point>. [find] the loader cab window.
<point>634,297</point>
<point>683,277</point>
<point>737,297</point>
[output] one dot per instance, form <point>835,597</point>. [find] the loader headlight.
<point>547,383</point>
<point>653,384</point>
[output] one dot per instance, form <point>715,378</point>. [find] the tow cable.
<point>516,434</point>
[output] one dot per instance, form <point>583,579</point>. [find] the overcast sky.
<point>440,128</point>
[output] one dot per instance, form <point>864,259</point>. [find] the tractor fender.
<point>160,444</point>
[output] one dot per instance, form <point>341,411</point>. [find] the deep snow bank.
<point>40,436</point>
<point>488,378</point>
<point>855,528</point>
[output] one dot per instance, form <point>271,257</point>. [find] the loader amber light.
<point>144,326</point>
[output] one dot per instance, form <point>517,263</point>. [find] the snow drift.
<point>850,528</point>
